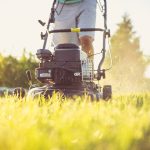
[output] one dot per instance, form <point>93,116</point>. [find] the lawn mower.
<point>69,70</point>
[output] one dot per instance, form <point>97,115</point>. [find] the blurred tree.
<point>13,71</point>
<point>128,63</point>
<point>25,63</point>
<point>8,70</point>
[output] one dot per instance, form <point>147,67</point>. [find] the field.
<point>122,123</point>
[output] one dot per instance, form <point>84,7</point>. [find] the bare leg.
<point>87,45</point>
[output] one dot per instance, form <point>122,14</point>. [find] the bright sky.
<point>19,28</point>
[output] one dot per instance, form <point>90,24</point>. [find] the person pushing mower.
<point>76,13</point>
<point>68,70</point>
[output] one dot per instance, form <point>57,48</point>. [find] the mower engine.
<point>68,66</point>
<point>68,71</point>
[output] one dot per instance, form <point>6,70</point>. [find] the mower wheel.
<point>19,92</point>
<point>107,92</point>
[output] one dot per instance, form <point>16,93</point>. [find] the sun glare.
<point>147,72</point>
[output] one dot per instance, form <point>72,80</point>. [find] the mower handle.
<point>77,30</point>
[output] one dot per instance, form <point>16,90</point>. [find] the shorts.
<point>81,14</point>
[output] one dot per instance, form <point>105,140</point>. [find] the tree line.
<point>129,63</point>
<point>13,70</point>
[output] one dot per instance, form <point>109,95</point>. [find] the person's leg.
<point>87,19</point>
<point>87,45</point>
<point>65,18</point>
<point>61,38</point>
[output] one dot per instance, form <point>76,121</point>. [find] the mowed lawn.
<point>122,123</point>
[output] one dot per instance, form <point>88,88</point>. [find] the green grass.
<point>120,124</point>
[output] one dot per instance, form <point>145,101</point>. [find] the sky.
<point>19,28</point>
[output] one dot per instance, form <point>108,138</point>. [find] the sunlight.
<point>147,72</point>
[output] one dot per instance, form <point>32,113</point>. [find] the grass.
<point>120,124</point>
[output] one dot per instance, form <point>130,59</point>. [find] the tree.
<point>8,71</point>
<point>128,64</point>
<point>25,63</point>
<point>13,71</point>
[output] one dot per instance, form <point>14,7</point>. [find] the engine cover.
<point>69,66</point>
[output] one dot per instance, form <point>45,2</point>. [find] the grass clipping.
<point>64,124</point>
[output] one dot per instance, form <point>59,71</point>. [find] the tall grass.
<point>122,123</point>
